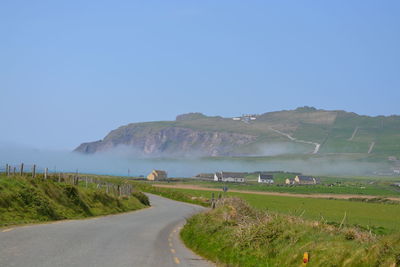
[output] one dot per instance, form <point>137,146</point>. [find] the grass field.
<point>375,186</point>
<point>378,217</point>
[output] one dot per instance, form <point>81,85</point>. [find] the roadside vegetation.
<point>172,194</point>
<point>236,234</point>
<point>30,200</point>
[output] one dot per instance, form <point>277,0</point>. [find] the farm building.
<point>157,175</point>
<point>236,177</point>
<point>289,181</point>
<point>265,178</point>
<point>302,179</point>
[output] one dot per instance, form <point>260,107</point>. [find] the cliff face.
<point>304,130</point>
<point>169,141</point>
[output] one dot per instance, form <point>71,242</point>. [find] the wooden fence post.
<point>34,171</point>
<point>6,171</point>
<point>21,169</point>
<point>46,170</point>
<point>14,170</point>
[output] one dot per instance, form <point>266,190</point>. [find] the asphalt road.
<point>148,237</point>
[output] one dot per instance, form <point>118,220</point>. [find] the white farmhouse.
<point>265,178</point>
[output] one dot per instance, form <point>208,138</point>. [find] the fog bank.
<point>118,163</point>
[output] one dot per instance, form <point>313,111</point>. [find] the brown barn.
<point>157,175</point>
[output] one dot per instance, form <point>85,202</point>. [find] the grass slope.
<point>27,200</point>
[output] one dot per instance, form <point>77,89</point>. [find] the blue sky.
<point>71,71</point>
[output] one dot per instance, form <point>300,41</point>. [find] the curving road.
<point>148,237</point>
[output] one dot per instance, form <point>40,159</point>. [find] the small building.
<point>265,178</point>
<point>235,177</point>
<point>156,175</point>
<point>289,181</point>
<point>302,179</point>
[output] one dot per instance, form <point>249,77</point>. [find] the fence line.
<point>75,179</point>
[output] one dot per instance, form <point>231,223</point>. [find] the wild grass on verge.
<point>27,200</point>
<point>172,194</point>
<point>235,234</point>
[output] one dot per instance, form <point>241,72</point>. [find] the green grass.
<point>26,200</point>
<point>235,234</point>
<point>377,217</point>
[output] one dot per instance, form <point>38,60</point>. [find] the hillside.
<point>303,130</point>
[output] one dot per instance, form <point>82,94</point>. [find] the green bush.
<point>141,197</point>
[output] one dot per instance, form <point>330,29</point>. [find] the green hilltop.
<point>305,130</point>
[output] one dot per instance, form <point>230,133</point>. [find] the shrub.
<point>141,197</point>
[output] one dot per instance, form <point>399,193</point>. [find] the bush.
<point>141,197</point>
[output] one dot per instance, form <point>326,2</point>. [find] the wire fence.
<point>35,172</point>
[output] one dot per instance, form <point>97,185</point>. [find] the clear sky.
<point>71,71</point>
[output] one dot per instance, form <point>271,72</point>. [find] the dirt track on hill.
<point>335,196</point>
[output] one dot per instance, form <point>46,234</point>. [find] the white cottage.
<point>265,178</point>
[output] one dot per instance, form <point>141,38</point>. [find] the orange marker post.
<point>305,258</point>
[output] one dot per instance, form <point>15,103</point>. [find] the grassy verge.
<point>235,234</point>
<point>172,194</point>
<point>27,200</point>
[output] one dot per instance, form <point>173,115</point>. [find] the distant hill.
<point>303,130</point>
